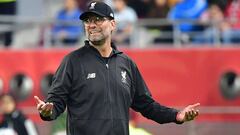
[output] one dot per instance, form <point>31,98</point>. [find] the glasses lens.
<point>95,20</point>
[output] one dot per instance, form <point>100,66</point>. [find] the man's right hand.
<point>45,109</point>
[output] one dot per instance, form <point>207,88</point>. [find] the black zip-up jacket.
<point>98,93</point>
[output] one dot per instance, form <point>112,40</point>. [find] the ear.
<point>113,24</point>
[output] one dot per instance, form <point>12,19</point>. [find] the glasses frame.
<point>97,20</point>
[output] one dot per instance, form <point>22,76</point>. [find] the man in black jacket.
<point>98,84</point>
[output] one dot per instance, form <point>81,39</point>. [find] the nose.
<point>92,24</point>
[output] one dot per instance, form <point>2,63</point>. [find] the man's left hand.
<point>189,113</point>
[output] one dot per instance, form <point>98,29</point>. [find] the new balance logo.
<point>91,75</point>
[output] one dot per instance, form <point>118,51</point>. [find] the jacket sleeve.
<point>145,104</point>
<point>59,90</point>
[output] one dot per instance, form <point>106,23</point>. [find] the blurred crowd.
<point>12,120</point>
<point>196,22</point>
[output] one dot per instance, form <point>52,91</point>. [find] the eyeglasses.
<point>96,20</point>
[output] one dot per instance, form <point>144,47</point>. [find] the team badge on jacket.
<point>93,5</point>
<point>124,78</point>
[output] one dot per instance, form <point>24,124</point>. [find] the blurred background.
<point>187,51</point>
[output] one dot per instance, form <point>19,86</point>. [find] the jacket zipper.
<point>109,93</point>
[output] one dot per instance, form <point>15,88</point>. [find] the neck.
<point>104,49</point>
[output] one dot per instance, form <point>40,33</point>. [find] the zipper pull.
<point>107,66</point>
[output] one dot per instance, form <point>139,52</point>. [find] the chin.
<point>97,42</point>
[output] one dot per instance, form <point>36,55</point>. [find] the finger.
<point>49,107</point>
<point>187,116</point>
<point>195,105</point>
<point>192,112</point>
<point>39,107</point>
<point>189,112</point>
<point>196,112</point>
<point>44,106</point>
<point>191,115</point>
<point>37,100</point>
<point>46,112</point>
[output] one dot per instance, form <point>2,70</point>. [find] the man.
<point>125,17</point>
<point>67,34</point>
<point>98,84</point>
<point>13,121</point>
<point>7,7</point>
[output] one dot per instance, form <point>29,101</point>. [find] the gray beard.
<point>97,43</point>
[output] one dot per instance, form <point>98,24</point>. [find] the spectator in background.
<point>159,10</point>
<point>186,10</point>
<point>225,26</point>
<point>231,35</point>
<point>172,3</point>
<point>109,2</point>
<point>82,4</point>
<point>221,3</point>
<point>151,8</point>
<point>214,18</point>
<point>125,18</point>
<point>7,7</point>
<point>13,119</point>
<point>69,33</point>
<point>162,33</point>
<point>142,7</point>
